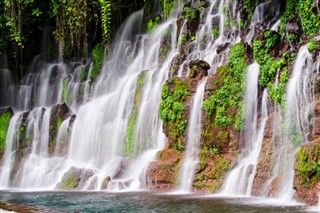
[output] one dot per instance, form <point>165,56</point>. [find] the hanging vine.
<point>106,20</point>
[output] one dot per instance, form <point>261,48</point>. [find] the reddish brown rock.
<point>162,174</point>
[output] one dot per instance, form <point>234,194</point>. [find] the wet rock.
<point>59,113</point>
<point>70,180</point>
<point>293,27</point>
<point>315,126</point>
<point>75,178</point>
<point>223,47</point>
<point>5,109</point>
<point>105,183</point>
<point>198,69</point>
<point>162,174</point>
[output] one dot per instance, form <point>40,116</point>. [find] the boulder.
<point>75,178</point>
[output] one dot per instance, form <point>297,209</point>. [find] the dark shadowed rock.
<point>198,69</point>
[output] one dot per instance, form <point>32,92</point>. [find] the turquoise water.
<point>142,202</point>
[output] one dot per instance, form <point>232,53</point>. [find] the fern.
<point>106,20</point>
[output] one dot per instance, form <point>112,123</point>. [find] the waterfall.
<point>112,131</point>
<point>295,124</point>
<point>9,154</point>
<point>240,179</point>
<point>191,158</point>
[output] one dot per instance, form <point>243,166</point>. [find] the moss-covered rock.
<point>163,174</point>
<point>75,178</point>
<point>224,106</point>
<point>129,146</point>
<point>211,170</point>
<point>307,173</point>
<point>5,117</point>
<point>70,180</point>
<point>174,110</point>
<point>59,113</point>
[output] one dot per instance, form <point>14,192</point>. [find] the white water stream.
<point>191,158</point>
<point>240,179</point>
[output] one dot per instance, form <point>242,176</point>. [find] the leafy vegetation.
<point>224,103</point>
<point>153,24</point>
<point>4,125</point>
<point>309,21</point>
<point>168,5</point>
<point>106,20</point>
<point>97,54</point>
<point>269,66</point>
<point>314,45</point>
<point>172,109</point>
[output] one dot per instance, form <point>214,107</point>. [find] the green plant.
<point>152,24</point>
<point>180,148</point>
<point>106,15</point>
<point>224,104</point>
<point>215,33</point>
<point>313,46</point>
<point>189,13</point>
<point>168,5</point>
<point>4,125</point>
<point>309,21</point>
<point>97,54</point>
<point>172,107</point>
<point>182,39</point>
<point>308,165</point>
<point>316,167</point>
<point>292,37</point>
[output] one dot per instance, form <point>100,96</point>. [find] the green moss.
<point>131,128</point>
<point>69,183</point>
<point>214,172</point>
<point>172,108</point>
<point>224,104</point>
<point>97,54</point>
<point>313,46</point>
<point>4,125</point>
<point>67,96</point>
<point>308,164</point>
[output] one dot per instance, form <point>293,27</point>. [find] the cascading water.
<point>97,138</point>
<point>193,141</point>
<point>295,125</point>
<point>240,179</point>
<point>264,14</point>
<point>9,154</point>
<point>113,135</point>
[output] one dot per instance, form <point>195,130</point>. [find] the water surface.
<point>139,202</point>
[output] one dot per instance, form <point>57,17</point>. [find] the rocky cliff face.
<point>274,47</point>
